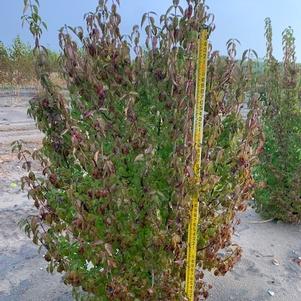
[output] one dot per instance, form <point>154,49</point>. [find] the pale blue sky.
<point>241,19</point>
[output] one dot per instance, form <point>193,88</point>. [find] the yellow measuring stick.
<point>198,140</point>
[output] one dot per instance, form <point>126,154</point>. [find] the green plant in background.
<point>280,164</point>
<point>4,62</point>
<point>18,63</point>
<point>117,156</point>
<point>22,62</point>
<point>19,49</point>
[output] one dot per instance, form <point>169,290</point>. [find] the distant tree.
<point>19,49</point>
<point>4,62</point>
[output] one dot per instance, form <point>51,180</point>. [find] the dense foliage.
<point>280,163</point>
<point>117,155</point>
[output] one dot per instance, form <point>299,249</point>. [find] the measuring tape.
<point>198,140</point>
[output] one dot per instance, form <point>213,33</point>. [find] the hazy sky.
<point>241,19</point>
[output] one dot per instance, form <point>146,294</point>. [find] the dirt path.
<point>22,269</point>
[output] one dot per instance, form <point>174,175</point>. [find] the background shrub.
<point>280,162</point>
<point>117,155</point>
<point>18,63</point>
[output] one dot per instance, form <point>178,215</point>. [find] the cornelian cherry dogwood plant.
<point>117,155</point>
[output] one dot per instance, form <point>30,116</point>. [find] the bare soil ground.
<point>23,273</point>
<point>270,268</point>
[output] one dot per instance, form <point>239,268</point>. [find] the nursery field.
<point>149,166</point>
<point>270,263</point>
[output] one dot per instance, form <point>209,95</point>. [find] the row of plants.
<point>18,63</point>
<point>117,156</point>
